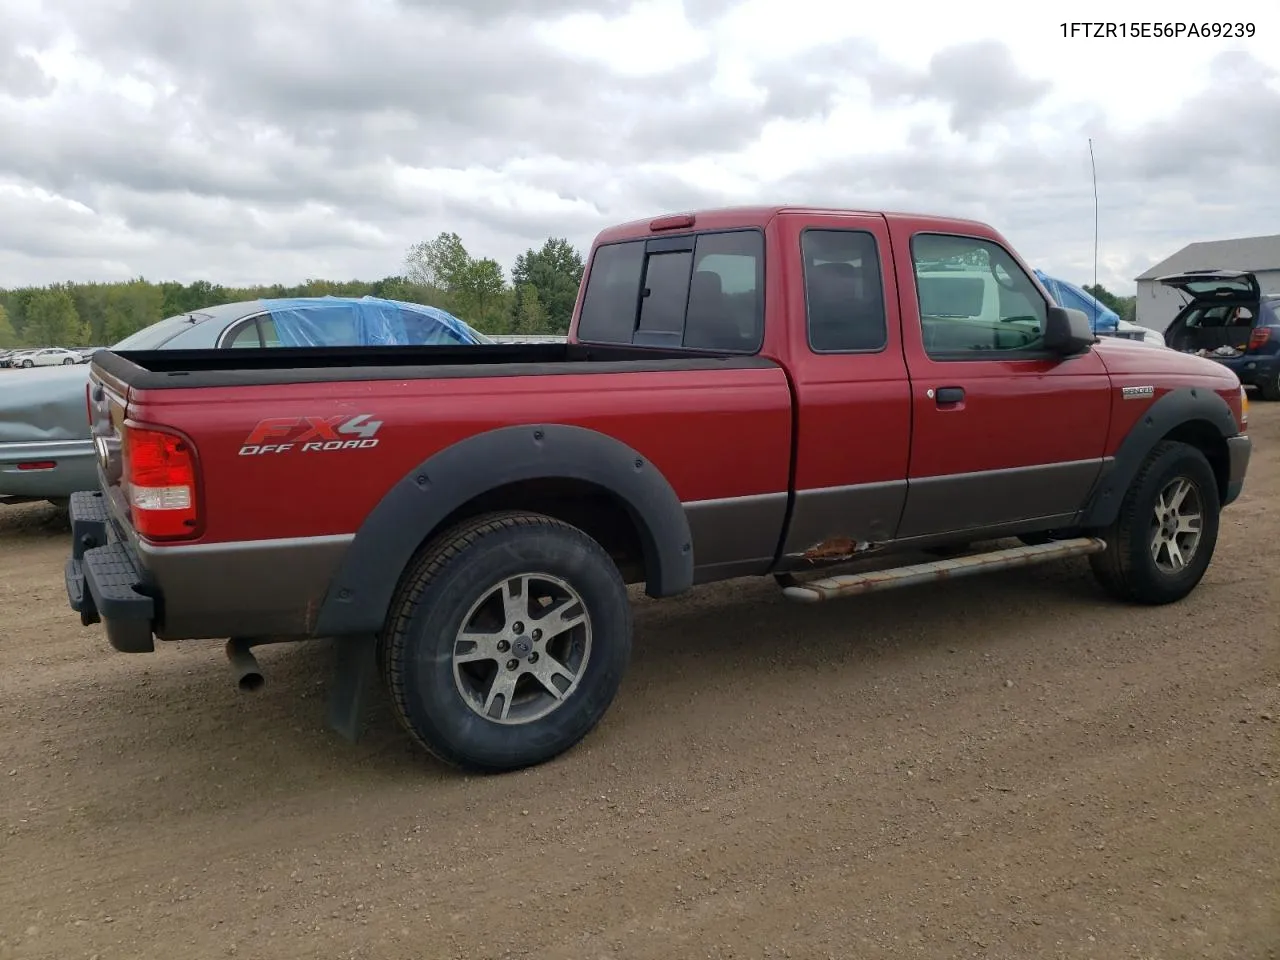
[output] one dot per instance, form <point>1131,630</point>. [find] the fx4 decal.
<point>311,434</point>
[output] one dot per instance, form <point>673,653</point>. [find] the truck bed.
<point>160,369</point>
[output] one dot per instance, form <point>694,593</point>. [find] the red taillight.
<point>88,402</point>
<point>1259,336</point>
<point>160,481</point>
<point>37,465</point>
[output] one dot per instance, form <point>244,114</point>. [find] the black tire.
<point>1127,569</point>
<point>1269,389</point>
<point>433,605</point>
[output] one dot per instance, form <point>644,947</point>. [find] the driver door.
<point>1003,431</point>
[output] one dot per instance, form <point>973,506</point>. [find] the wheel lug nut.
<point>503,646</point>
<point>537,635</point>
<point>533,657</point>
<point>512,663</point>
<point>517,627</point>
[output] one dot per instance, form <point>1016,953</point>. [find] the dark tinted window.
<point>726,302</point>
<point>709,297</point>
<point>665,294</point>
<point>843,292</point>
<point>613,293</point>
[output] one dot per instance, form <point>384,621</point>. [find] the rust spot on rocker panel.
<point>838,548</point>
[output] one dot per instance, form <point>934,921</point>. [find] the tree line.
<point>538,297</point>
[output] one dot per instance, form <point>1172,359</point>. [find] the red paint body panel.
<point>724,433</point>
<point>854,408</point>
<point>1133,364</point>
<point>1016,413</point>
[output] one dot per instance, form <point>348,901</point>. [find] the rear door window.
<point>702,291</point>
<point>245,336</point>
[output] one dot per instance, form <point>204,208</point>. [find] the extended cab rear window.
<point>701,291</point>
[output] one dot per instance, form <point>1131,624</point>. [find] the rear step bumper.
<point>103,580</point>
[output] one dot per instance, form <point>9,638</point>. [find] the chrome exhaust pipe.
<point>244,665</point>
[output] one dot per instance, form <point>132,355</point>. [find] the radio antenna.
<point>1094,168</point>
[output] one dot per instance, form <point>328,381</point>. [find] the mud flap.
<point>355,672</point>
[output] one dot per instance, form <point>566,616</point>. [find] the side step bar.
<point>831,588</point>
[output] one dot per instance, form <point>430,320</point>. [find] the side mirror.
<point>1067,332</point>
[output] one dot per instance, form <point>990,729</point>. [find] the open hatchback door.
<point>1212,284</point>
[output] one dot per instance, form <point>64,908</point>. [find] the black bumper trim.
<point>103,581</point>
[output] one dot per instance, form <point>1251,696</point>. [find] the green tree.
<point>8,336</point>
<point>1105,296</point>
<point>439,263</point>
<point>130,307</point>
<point>530,315</point>
<point>52,320</point>
<point>556,270</point>
<point>478,286</point>
<point>1125,307</point>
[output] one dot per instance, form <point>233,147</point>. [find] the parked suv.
<point>1230,320</point>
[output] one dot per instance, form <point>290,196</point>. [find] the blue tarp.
<point>364,322</point>
<point>1101,318</point>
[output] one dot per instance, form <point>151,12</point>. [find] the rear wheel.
<point>508,642</point>
<point>1269,389</point>
<point>1164,536</point>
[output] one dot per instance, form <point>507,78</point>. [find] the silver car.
<point>45,448</point>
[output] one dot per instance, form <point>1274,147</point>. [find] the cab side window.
<point>843,292</point>
<point>975,299</point>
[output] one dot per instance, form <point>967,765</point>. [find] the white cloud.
<point>242,142</point>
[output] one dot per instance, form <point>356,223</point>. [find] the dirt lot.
<point>1010,767</point>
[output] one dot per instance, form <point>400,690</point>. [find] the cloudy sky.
<point>242,141</point>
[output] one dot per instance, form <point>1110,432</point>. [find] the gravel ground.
<point>1008,767</point>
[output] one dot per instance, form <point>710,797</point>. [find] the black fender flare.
<point>370,570</point>
<point>1175,408</point>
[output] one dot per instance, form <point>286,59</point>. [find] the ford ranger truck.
<point>827,397</point>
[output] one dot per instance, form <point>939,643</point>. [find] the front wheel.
<point>27,364</point>
<point>508,642</point>
<point>1160,544</point>
<point>67,362</point>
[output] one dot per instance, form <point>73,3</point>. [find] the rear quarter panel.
<point>713,434</point>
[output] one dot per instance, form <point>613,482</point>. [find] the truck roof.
<point>723,218</point>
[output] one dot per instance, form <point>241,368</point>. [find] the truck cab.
<point>938,394</point>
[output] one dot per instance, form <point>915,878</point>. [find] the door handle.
<point>948,395</point>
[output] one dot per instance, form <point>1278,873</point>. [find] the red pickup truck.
<point>843,400</point>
